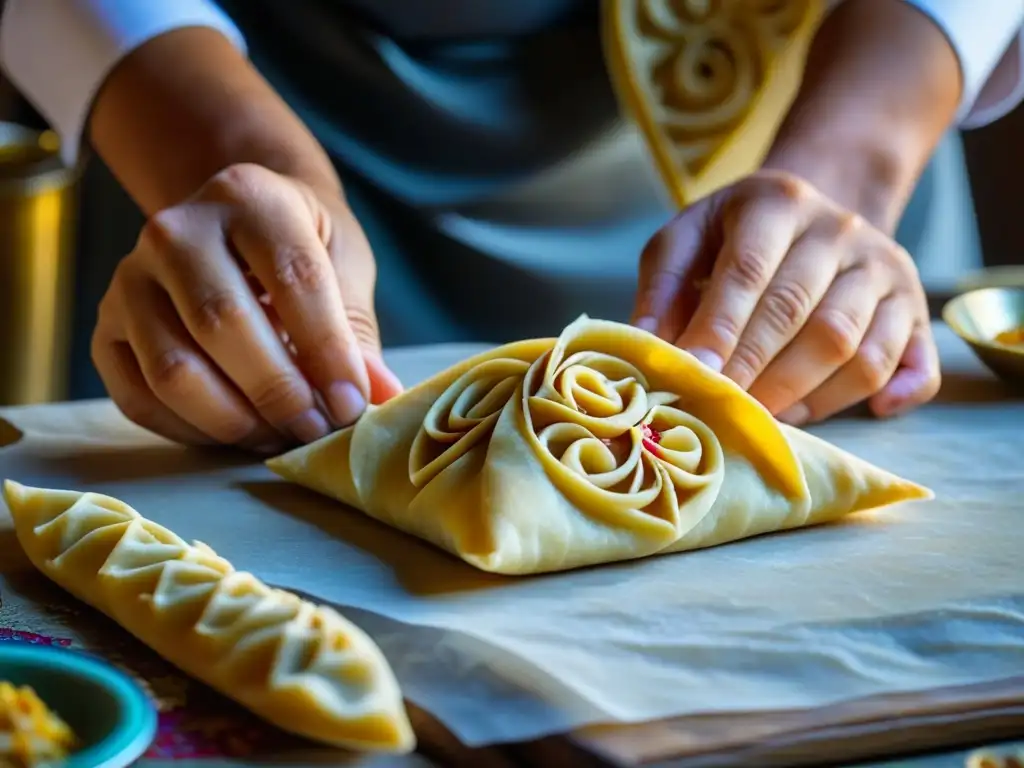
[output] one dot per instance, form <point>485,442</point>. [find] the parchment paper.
<point>920,596</point>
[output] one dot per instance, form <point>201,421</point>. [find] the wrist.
<point>881,86</point>
<point>188,104</point>
<point>869,177</point>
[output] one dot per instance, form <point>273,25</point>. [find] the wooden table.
<point>197,725</point>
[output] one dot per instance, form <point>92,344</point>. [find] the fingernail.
<point>345,402</point>
<point>270,449</point>
<point>890,408</point>
<point>711,359</point>
<point>898,395</point>
<point>647,323</point>
<point>309,427</point>
<point>796,415</point>
<point>902,388</point>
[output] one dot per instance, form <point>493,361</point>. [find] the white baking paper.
<point>916,597</point>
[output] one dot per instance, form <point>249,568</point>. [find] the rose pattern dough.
<point>627,450</point>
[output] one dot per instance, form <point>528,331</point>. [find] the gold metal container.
<point>982,318</point>
<point>38,203</point>
<point>992,277</point>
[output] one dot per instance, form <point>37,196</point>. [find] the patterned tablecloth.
<point>195,723</point>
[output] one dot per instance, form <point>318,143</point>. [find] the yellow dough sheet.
<point>912,597</point>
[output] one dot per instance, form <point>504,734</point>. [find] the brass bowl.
<point>978,317</point>
<point>38,209</point>
<point>992,277</point>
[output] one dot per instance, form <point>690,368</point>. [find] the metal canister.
<point>38,203</point>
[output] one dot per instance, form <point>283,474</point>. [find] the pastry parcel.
<point>300,666</point>
<point>604,444</point>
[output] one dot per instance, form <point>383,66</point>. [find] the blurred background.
<point>83,224</point>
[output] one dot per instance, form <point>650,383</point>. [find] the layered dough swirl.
<point>604,444</point>
<point>300,666</point>
<point>707,81</point>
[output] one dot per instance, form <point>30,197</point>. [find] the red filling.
<point>651,438</point>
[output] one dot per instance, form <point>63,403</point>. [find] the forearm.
<point>882,86</point>
<point>187,104</point>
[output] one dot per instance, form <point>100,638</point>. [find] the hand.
<point>244,316</point>
<point>802,303</point>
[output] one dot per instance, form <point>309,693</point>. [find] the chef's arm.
<point>163,90</point>
<point>187,104</point>
<point>885,79</point>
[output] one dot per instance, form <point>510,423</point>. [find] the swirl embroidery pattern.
<point>8,634</point>
<point>705,62</point>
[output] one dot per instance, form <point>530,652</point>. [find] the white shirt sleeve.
<point>988,38</point>
<point>986,35</point>
<point>58,53</point>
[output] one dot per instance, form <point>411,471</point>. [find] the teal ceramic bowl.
<point>112,716</point>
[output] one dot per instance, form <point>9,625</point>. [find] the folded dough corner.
<point>602,445</point>
<point>300,666</point>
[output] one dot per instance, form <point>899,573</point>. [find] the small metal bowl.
<point>109,713</point>
<point>992,277</point>
<point>978,317</point>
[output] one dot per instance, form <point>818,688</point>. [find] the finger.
<point>184,379</point>
<point>357,286</point>
<point>871,368</point>
<point>755,242</point>
<point>278,238</point>
<point>384,384</point>
<point>221,313</point>
<point>917,379</point>
<point>672,266</point>
<point>356,276</point>
<point>798,286</point>
<point>121,376</point>
<point>828,340</point>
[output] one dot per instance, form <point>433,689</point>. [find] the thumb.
<point>362,319</point>
<point>672,265</point>
<point>384,384</point>
<point>357,280</point>
<point>917,379</point>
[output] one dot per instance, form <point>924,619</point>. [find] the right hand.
<point>244,316</point>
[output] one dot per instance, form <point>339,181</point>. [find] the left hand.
<point>803,303</point>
